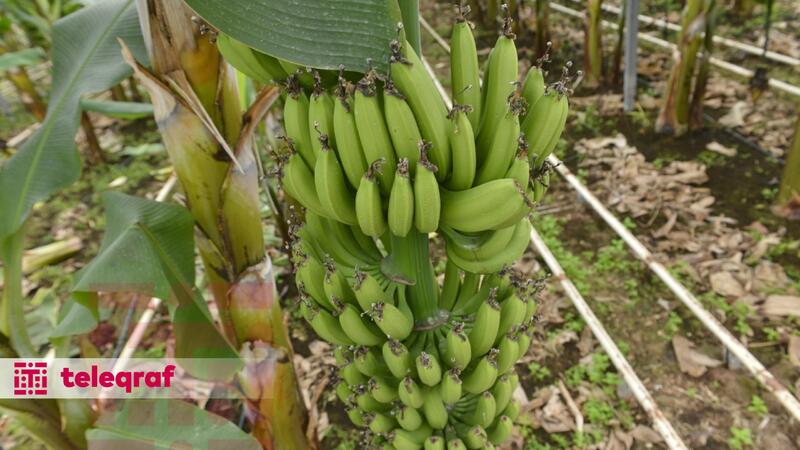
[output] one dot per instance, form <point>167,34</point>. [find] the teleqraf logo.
<point>125,379</point>
<point>30,378</point>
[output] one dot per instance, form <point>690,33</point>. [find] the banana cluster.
<point>445,382</point>
<point>375,158</point>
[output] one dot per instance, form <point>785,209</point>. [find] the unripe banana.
<point>369,208</point>
<point>304,78</point>
<point>467,292</point>
<point>496,152</point>
<point>540,186</point>
<point>397,358</point>
<point>379,423</point>
<point>408,417</point>
<point>475,437</point>
<point>434,410</point>
<point>320,114</point>
<point>310,278</point>
<point>516,247</point>
<point>502,391</point>
<point>500,79</point>
<point>356,416</point>
<point>411,78</point>
<point>410,440</point>
<point>512,410</point>
<point>343,391</point>
<point>501,430</point>
<point>543,124</point>
<point>483,375</point>
<point>342,355</point>
<point>332,187</point>
<point>298,181</point>
<point>401,201</point>
<point>295,121</point>
<point>484,411</point>
<point>464,72</point>
<point>256,65</point>
<point>324,324</point>
<point>366,401</point>
<point>372,130</point>
<point>391,320</point>
<point>450,388</point>
<point>434,443</point>
<point>508,350</point>
<point>368,291</point>
<point>484,329</point>
<point>524,340</point>
<point>317,231</point>
<point>428,369</point>
<point>456,444</point>
<point>427,204</point>
<point>348,144</point>
<point>457,349</point>
<point>356,329</point>
<point>478,247</point>
<point>368,362</point>
<point>450,286</point>
<point>382,390</point>
<point>402,125</point>
<point>489,206</point>
<point>335,284</point>
<point>410,393</point>
<point>512,314</point>
<point>533,87</point>
<point>352,375</point>
<point>520,169</point>
<point>462,147</point>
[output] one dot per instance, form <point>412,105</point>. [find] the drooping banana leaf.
<point>118,110</point>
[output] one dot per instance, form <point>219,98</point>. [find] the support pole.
<point>631,45</point>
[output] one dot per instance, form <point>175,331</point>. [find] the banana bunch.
<point>412,381</point>
<point>373,159</point>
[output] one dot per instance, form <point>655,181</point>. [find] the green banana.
<point>434,410</point>
<point>462,147</point>
<point>512,410</point>
<point>502,391</point>
<point>356,415</point>
<point>457,350</point>
<point>533,86</point>
<point>335,284</point>
<point>379,423</point>
<point>295,121</point>
<point>411,78</point>
<point>484,411</point>
<point>500,80</point>
<point>496,152</point>
<point>310,278</point>
<point>320,114</point>
<point>304,78</point>
<point>410,393</point>
<point>450,388</point>
<point>464,72</point>
<point>428,369</point>
<point>402,125</point>
<point>501,430</point>
<point>456,444</point>
<point>332,187</point>
<point>524,339</point>
<point>434,443</point>
<point>479,247</point>
<point>512,314</point>
<point>368,362</point>
<point>508,350</point>
<point>449,291</point>
<point>397,358</point>
<point>354,327</point>
<point>475,437</point>
<point>368,291</point>
<point>298,181</point>
<point>324,324</point>
<point>352,375</point>
<point>343,391</point>
<point>409,440</point>
<point>489,206</point>
<point>366,401</point>
<point>484,329</point>
<point>401,201</point>
<point>348,144</point>
<point>391,320</point>
<point>516,247</point>
<point>381,390</point>
<point>372,130</point>
<point>543,124</point>
<point>256,65</point>
<point>408,418</point>
<point>483,375</point>
<point>369,208</point>
<point>427,204</point>
<point>520,169</point>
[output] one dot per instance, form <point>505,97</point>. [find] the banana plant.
<point>378,162</point>
<point>592,43</point>
<point>685,92</point>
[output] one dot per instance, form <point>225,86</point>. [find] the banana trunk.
<point>593,48</point>
<point>198,113</point>
<point>790,183</point>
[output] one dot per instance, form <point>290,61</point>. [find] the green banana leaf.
<point>86,58</point>
<point>27,57</point>
<point>315,33</point>
<point>148,248</point>
<point>118,110</point>
<point>164,425</point>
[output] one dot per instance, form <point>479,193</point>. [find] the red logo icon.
<point>30,378</point>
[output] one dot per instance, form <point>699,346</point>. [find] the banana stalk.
<point>675,112</point>
<point>593,47</point>
<point>197,110</point>
<point>790,182</point>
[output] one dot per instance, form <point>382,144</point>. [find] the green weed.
<point>740,438</point>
